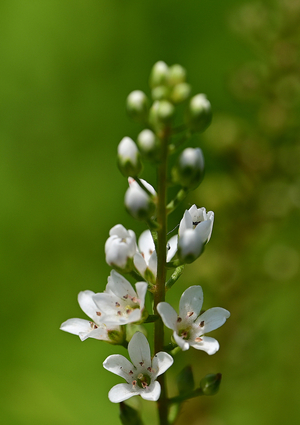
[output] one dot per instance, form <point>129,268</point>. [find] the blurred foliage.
<point>66,71</point>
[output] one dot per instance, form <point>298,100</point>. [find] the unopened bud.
<point>137,106</point>
<point>177,75</point>
<point>210,384</point>
<point>161,113</point>
<point>129,160</point>
<point>160,92</point>
<point>148,144</point>
<point>137,202</point>
<point>189,170</point>
<point>180,92</point>
<point>159,74</point>
<point>199,113</point>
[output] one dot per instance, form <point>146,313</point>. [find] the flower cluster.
<point>149,260</point>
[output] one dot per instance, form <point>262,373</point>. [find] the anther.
<point>119,313</point>
<point>117,304</point>
<point>198,339</point>
<point>179,319</point>
<point>141,363</point>
<point>201,324</point>
<point>190,313</point>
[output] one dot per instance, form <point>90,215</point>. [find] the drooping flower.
<point>190,326</point>
<point>194,232</point>
<point>140,373</point>
<point>137,201</point>
<point>120,303</point>
<point>145,260</point>
<point>120,248</point>
<point>92,329</point>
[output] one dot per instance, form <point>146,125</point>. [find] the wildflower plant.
<point>153,260</point>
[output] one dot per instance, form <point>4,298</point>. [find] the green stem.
<point>181,398</point>
<point>159,294</point>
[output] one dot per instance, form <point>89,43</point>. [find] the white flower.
<point>139,204</point>
<point>119,303</point>
<point>120,247</point>
<point>194,231</point>
<point>89,329</point>
<point>129,160</point>
<point>189,326</point>
<point>145,260</point>
<point>141,374</point>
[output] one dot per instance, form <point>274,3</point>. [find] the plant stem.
<point>159,294</point>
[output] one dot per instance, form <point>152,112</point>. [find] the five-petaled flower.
<point>189,326</point>
<point>119,303</point>
<point>96,328</point>
<point>141,374</point>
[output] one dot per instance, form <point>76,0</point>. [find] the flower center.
<point>143,380</point>
<point>184,333</point>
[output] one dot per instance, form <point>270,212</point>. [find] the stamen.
<point>201,324</point>
<point>125,296</point>
<point>98,313</point>
<point>117,304</point>
<point>130,372</point>
<point>190,313</point>
<point>119,313</point>
<point>141,363</point>
<point>198,339</point>
<point>179,319</point>
<point>134,383</point>
<point>144,384</point>
<point>128,310</point>
<point>149,369</point>
<point>93,325</point>
<point>134,299</point>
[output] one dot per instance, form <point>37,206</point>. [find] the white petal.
<point>193,211</point>
<point>139,263</point>
<point>141,290</point>
<point>107,304</point>
<point>213,319</point>
<point>75,326</point>
<point>146,244</point>
<point>152,393</point>
<point>161,362</point>
<point>191,302</point>
<point>190,244</point>
<point>119,365</point>
<point>210,345</point>
<point>87,304</point>
<point>118,253</point>
<point>119,231</point>
<point>121,392</point>
<point>99,333</point>
<point>172,244</point>
<point>204,230</point>
<point>184,345</point>
<point>185,223</point>
<point>153,263</point>
<point>168,315</point>
<point>139,351</point>
<point>119,285</point>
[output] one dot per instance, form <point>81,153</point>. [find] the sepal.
<point>129,416</point>
<point>210,384</point>
<point>185,380</point>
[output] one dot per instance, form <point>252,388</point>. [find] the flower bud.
<point>185,380</point>
<point>120,248</point>
<point>137,106</point>
<point>116,337</point>
<point>180,92</point>
<point>137,202</point>
<point>177,75</point>
<point>148,144</point>
<point>129,161</point>
<point>159,74</point>
<point>199,113</point>
<point>190,246</point>
<point>161,113</point>
<point>210,384</point>
<point>189,170</point>
<point>160,92</point>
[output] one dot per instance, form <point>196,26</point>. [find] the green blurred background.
<point>66,69</point>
